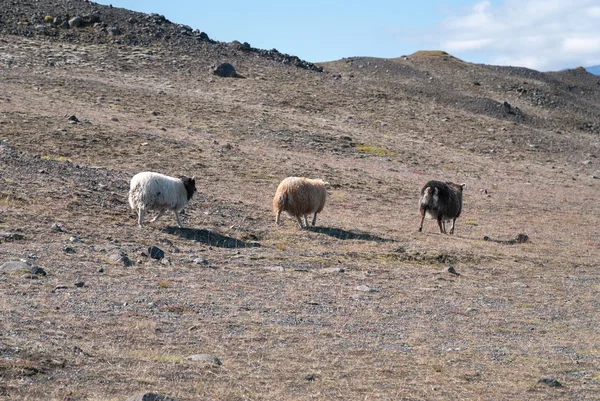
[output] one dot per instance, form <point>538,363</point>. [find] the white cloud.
<point>539,34</point>
<point>583,45</point>
<point>465,45</point>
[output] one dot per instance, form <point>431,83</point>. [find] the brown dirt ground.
<point>269,303</point>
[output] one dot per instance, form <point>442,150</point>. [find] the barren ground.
<point>271,303</point>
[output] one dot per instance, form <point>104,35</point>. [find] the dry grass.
<point>286,318</point>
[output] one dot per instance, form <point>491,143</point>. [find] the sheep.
<point>441,201</point>
<point>155,191</point>
<point>300,196</point>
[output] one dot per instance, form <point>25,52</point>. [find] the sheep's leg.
<point>278,218</point>
<point>306,221</point>
<point>314,220</point>
<point>160,213</point>
<point>299,221</point>
<point>441,224</point>
<point>141,217</point>
<point>422,218</point>
<point>177,217</point>
<point>452,228</point>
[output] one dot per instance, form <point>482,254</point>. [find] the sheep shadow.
<point>210,238</point>
<point>348,235</point>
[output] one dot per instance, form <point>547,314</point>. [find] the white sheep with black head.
<point>159,192</point>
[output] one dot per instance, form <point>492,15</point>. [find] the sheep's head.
<point>189,184</point>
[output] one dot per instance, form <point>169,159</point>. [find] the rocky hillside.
<point>77,21</point>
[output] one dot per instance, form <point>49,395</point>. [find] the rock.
<point>520,284</point>
<point>334,270</point>
<point>13,266</point>
<point>37,271</point>
<point>276,268</point>
<point>56,228</point>
<point>29,276</point>
<point>200,261</point>
<point>225,70</point>
<point>75,22</point>
<point>69,249</point>
<point>113,31</point>
<point>366,288</point>
<point>451,270</point>
<point>310,377</point>
<point>204,358</point>
<point>122,257</point>
<point>100,270</point>
<point>74,239</point>
<point>79,284</point>
<point>150,397</point>
<point>11,236</point>
<point>522,238</point>
<point>587,162</point>
<point>156,253</point>
<point>550,382</point>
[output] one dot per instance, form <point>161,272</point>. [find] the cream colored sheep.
<point>299,196</point>
<point>155,191</point>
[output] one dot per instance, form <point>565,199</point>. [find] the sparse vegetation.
<point>360,307</point>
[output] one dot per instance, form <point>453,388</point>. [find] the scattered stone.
<point>79,284</point>
<point>587,162</point>
<point>100,270</point>
<point>11,236</point>
<point>72,118</point>
<point>334,270</point>
<point>150,397</point>
<point>122,257</point>
<point>29,276</point>
<point>451,270</point>
<point>75,22</point>
<point>200,261</point>
<point>113,31</point>
<point>204,358</point>
<point>225,70</point>
<point>69,249</point>
<point>522,238</point>
<point>37,271</point>
<point>56,228</point>
<point>74,239</point>
<point>550,382</point>
<point>156,253</point>
<point>366,288</point>
<point>310,377</point>
<point>15,266</point>
<point>520,284</point>
<point>60,287</point>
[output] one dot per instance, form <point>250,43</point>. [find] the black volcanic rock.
<point>88,22</point>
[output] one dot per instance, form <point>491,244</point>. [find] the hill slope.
<point>361,306</point>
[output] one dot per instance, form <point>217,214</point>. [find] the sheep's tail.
<point>281,202</point>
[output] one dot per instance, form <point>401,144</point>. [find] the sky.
<point>545,35</point>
